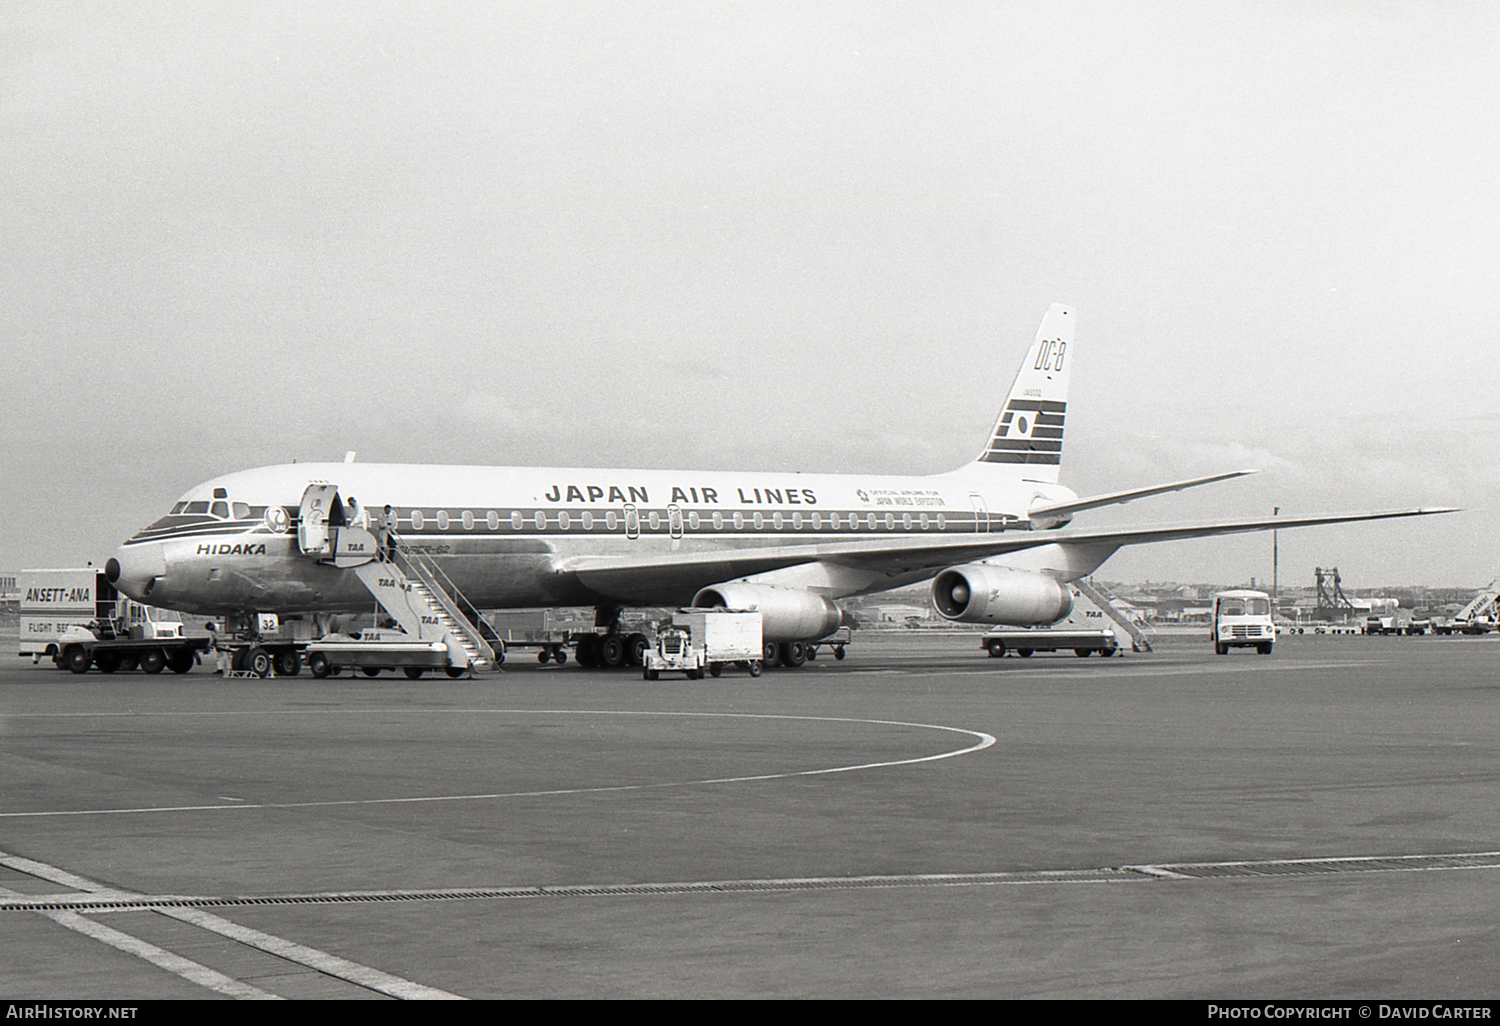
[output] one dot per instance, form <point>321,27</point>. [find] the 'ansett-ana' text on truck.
<point>78,620</point>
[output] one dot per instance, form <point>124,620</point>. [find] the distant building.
<point>9,592</point>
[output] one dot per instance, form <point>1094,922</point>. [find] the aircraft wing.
<point>665,576</point>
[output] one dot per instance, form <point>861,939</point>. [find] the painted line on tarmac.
<point>983,741</point>
<point>159,957</point>
<point>1166,872</point>
<point>102,896</point>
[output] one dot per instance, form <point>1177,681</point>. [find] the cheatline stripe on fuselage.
<point>552,523</point>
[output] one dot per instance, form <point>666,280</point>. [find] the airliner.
<point>992,536</point>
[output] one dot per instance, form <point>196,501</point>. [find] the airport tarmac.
<point>917,820</point>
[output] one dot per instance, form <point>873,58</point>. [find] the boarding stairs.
<point>409,586</point>
<point>1483,606</point>
<point>1137,631</point>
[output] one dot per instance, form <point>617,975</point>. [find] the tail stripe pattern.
<point>1029,431</point>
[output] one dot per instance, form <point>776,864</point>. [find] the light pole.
<point>1275,562</point>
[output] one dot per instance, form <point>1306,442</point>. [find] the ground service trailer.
<point>76,618</point>
<point>700,641</point>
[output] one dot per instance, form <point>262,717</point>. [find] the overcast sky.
<point>762,235</point>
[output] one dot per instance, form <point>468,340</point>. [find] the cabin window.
<point>442,519</point>
<point>796,521</point>
<point>468,520</point>
<point>540,520</point>
<point>417,521</point>
<point>611,520</point>
<point>739,521</point>
<point>760,521</point>
<point>942,521</point>
<point>588,521</point>
<point>817,521</point>
<point>906,521</point>
<point>564,521</point>
<point>653,519</point>
<point>718,521</point>
<point>492,520</point>
<point>694,520</point>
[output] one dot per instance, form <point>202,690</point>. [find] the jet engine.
<point>787,614</point>
<point>981,593</point>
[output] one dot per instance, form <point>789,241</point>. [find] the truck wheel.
<point>771,655</point>
<point>77,658</point>
<point>1220,648</point>
<point>413,672</point>
<point>838,652</point>
<point>1083,653</point>
<point>456,671</point>
<point>318,664</point>
<point>544,657</point>
<point>259,662</point>
<point>714,669</point>
<point>288,662</point>
<point>650,674</point>
<point>560,656</point>
<point>755,667</point>
<point>793,653</point>
<point>370,671</point>
<point>995,646</point>
<point>153,660</point>
<point>107,662</point>
<point>180,660</point>
<point>1024,653</point>
<point>1264,648</point>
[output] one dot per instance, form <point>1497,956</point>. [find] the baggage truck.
<point>699,641</point>
<point>76,618</point>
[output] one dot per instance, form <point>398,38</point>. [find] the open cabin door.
<point>318,503</point>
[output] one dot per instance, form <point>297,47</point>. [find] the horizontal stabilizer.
<point>1063,510</point>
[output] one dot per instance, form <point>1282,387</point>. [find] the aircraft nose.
<point>137,569</point>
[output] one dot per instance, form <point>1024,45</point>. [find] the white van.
<point>1243,619</point>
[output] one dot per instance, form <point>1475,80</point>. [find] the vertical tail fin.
<point>1027,438</point>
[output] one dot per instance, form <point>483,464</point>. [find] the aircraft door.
<point>318,503</point>
<point>981,513</point>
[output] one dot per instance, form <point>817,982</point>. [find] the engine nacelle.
<point>787,614</point>
<point>980,593</point>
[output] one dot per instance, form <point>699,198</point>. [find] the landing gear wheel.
<point>153,660</point>
<point>587,652</point>
<point>258,661</point>
<point>635,649</point>
<point>612,651</point>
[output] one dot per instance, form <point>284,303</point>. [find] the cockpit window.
<point>178,508</point>
<point>196,507</point>
<point>241,510</point>
<point>220,509</point>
